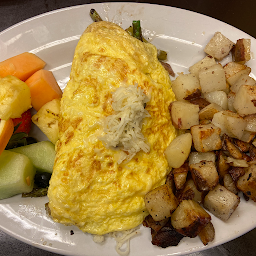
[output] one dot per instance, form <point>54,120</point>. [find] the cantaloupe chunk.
<point>43,88</point>
<point>22,66</point>
<point>6,130</point>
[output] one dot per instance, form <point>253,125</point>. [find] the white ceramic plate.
<point>53,37</point>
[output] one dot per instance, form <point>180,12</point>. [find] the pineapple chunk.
<point>15,97</point>
<point>47,119</point>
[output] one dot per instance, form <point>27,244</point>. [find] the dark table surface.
<point>240,14</point>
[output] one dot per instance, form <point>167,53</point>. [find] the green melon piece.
<point>41,154</point>
<point>16,174</point>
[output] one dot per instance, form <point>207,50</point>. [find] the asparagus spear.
<point>95,16</point>
<point>137,29</point>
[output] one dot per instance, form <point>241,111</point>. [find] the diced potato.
<point>206,62</point>
<point>247,183</point>
<point>232,68</point>
<point>189,218</point>
<point>206,137</point>
<point>201,102</point>
<point>15,97</point>
<point>219,46</point>
<point>196,157</point>
<point>232,149</point>
<point>212,79</point>
<point>229,183</point>
<point>208,112</point>
<point>207,234</point>
<point>178,150</point>
<point>180,176</point>
<point>155,225</point>
<point>243,146</point>
<point>233,79</point>
<point>242,50</point>
<point>47,119</point>
<point>236,172</point>
<point>242,80</point>
<point>205,175</point>
<point>218,97</point>
<point>248,136</point>
<point>222,166</point>
<point>184,115</point>
<point>190,192</point>
<point>231,98</point>
<point>221,202</point>
<point>230,123</point>
<point>160,202</point>
<point>245,100</point>
<point>237,162</point>
<point>250,123</point>
<point>185,85</point>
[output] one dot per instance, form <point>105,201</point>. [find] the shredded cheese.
<point>123,128</point>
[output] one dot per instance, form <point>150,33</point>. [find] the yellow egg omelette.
<point>88,187</point>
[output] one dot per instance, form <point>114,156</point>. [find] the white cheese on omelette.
<point>88,188</point>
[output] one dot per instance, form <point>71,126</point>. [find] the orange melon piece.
<point>21,66</point>
<point>43,88</point>
<point>6,130</point>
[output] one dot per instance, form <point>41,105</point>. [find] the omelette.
<point>89,187</point>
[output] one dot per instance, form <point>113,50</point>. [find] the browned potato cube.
<point>242,80</point>
<point>208,112</point>
<point>184,114</point>
<point>221,202</point>
<point>245,100</point>
<point>206,137</point>
<point>229,183</point>
<point>185,85</point>
<point>207,234</point>
<point>241,52</point>
<point>212,79</point>
<point>207,61</point>
<point>189,218</point>
<point>180,176</point>
<point>222,166</point>
<point>205,175</point>
<point>247,183</point>
<point>233,79</point>
<point>160,202</point>
<point>219,46</point>
<point>190,192</point>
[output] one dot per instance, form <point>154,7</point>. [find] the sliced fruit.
<point>41,154</point>
<point>21,66</point>
<point>16,174</point>
<point>6,130</point>
<point>15,97</point>
<point>43,87</point>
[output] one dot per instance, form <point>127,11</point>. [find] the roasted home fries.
<point>215,157</point>
<point>89,188</point>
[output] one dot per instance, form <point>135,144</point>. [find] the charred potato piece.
<point>180,176</point>
<point>204,175</point>
<point>229,183</point>
<point>247,183</point>
<point>236,172</point>
<point>219,46</point>
<point>189,218</point>
<point>160,202</point>
<point>201,102</point>
<point>184,114</point>
<point>170,181</point>
<point>190,192</point>
<point>242,146</point>
<point>241,52</point>
<point>221,202</point>
<point>222,165</point>
<point>185,85</point>
<point>206,137</point>
<point>178,150</point>
<point>149,222</point>
<point>207,234</point>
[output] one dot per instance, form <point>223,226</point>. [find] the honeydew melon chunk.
<point>41,154</point>
<point>16,174</point>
